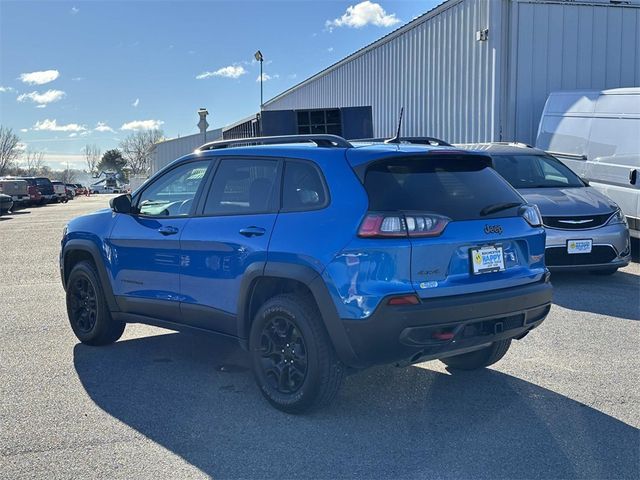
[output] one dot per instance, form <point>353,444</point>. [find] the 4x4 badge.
<point>493,229</point>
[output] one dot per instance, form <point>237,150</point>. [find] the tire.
<point>480,358</point>
<point>608,271</point>
<point>87,310</point>
<point>314,374</point>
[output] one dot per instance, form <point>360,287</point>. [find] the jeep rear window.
<point>456,186</point>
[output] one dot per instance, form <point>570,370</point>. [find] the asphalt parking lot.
<point>563,403</point>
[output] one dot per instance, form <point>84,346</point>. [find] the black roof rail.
<point>319,140</point>
<point>413,140</point>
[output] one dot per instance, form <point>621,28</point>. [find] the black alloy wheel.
<point>283,355</point>
<point>84,306</point>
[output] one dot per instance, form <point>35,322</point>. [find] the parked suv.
<point>318,258</point>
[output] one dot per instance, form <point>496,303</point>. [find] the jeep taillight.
<point>381,225</point>
<point>531,214</point>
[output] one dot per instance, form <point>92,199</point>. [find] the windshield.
<point>535,171</point>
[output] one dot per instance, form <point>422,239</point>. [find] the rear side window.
<point>242,186</point>
<point>459,187</point>
<point>302,188</point>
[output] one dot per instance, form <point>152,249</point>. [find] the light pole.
<point>259,58</point>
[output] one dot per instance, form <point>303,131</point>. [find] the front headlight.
<point>531,214</point>
<point>617,217</point>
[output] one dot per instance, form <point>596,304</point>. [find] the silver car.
<point>585,229</point>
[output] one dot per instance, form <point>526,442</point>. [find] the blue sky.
<point>91,72</point>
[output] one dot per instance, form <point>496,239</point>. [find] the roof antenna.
<point>396,139</point>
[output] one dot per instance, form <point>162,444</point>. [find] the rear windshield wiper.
<point>498,207</point>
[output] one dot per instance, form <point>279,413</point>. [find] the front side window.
<point>535,171</point>
<point>242,186</point>
<point>302,188</point>
<point>173,193</point>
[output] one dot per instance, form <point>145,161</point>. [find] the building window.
<point>319,121</point>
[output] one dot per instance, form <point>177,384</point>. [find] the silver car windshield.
<point>535,171</point>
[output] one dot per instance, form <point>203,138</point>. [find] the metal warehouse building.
<point>466,71</point>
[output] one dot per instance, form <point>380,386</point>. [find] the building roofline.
<point>437,10</point>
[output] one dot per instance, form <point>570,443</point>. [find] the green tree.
<point>111,161</point>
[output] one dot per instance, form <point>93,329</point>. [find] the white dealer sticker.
<point>487,260</point>
<point>579,246</point>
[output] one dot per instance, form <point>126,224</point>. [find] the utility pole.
<point>258,57</point>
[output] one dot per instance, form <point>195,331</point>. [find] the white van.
<point>597,134</point>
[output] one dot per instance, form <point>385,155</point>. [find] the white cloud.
<point>52,126</point>
<point>44,105</point>
<point>266,77</point>
<point>135,103</point>
<point>39,78</point>
<point>74,10</point>
<point>74,134</point>
<point>142,125</point>
<point>231,71</point>
<point>6,89</point>
<point>292,76</point>
<point>330,49</point>
<point>362,14</point>
<point>42,98</point>
<point>103,127</point>
<point>24,130</point>
<point>21,146</point>
<point>77,79</point>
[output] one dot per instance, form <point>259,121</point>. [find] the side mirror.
<point>121,204</point>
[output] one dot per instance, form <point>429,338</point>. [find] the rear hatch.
<point>464,223</point>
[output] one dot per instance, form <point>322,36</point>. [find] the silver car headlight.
<point>617,217</point>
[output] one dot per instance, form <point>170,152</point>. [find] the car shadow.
<point>617,295</point>
<point>196,397</point>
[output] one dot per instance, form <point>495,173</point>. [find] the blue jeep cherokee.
<point>319,256</point>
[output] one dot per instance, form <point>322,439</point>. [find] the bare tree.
<point>137,149</point>
<point>9,148</point>
<point>92,157</point>
<point>68,175</point>
<point>33,162</point>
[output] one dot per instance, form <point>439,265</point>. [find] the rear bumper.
<point>442,327</point>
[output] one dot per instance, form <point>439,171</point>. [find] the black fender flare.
<point>314,282</point>
<point>78,244</point>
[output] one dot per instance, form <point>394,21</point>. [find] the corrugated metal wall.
<point>435,68</point>
<point>169,150</point>
<point>463,90</point>
<point>567,47</point>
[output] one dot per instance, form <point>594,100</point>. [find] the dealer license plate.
<point>579,246</point>
<point>487,260</point>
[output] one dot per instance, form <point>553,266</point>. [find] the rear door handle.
<point>167,230</point>
<point>252,231</point>
<point>633,176</point>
